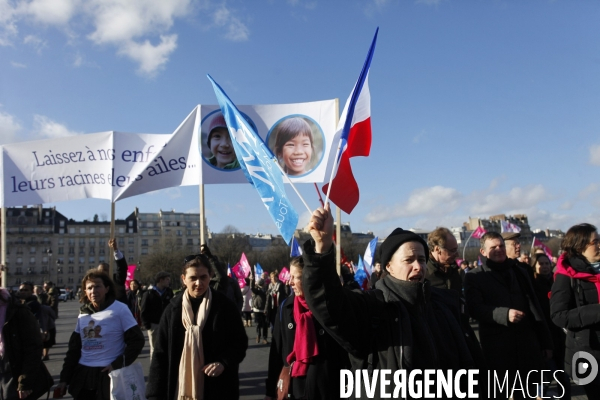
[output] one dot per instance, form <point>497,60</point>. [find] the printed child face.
<point>221,147</point>
<point>296,154</point>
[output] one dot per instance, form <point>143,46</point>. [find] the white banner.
<point>300,135</point>
<point>108,165</point>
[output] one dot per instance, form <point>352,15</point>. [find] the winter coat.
<point>450,279</point>
<point>119,278</point>
<point>259,298</point>
<point>574,306</point>
<point>400,325</point>
<point>224,340</point>
<point>247,294</point>
<point>322,373</point>
<point>225,284</point>
<point>22,345</point>
<point>543,286</point>
<point>490,292</point>
<point>153,304</point>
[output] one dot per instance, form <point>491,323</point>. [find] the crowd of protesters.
<point>532,312</point>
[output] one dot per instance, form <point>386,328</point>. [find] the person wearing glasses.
<point>442,271</point>
<point>574,304</point>
<point>200,342</point>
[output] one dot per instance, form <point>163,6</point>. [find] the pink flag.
<point>245,265</point>
<point>284,275</point>
<point>130,274</point>
<point>537,243</point>
<point>478,233</point>
<point>239,275</point>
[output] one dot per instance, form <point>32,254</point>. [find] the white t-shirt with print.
<point>102,334</point>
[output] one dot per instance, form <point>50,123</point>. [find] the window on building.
<point>71,269</point>
<point>71,241</point>
<point>32,250</point>
<point>179,233</point>
<point>44,260</point>
<point>71,260</point>
<point>92,260</point>
<point>61,224</point>
<point>102,230</point>
<point>144,250</point>
<point>72,231</point>
<point>32,260</point>
<point>81,231</point>
<point>60,280</point>
<point>121,230</point>
<point>130,250</point>
<point>71,250</point>
<point>81,260</point>
<point>190,242</point>
<point>130,223</point>
<point>61,241</point>
<point>70,280</point>
<point>144,242</point>
<point>144,232</point>
<point>130,240</point>
<point>18,271</point>
<point>82,242</point>
<point>61,250</point>
<point>92,231</point>
<point>101,259</point>
<point>80,268</point>
<point>156,232</point>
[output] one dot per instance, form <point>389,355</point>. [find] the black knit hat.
<point>396,239</point>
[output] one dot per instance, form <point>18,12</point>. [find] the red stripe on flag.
<point>344,192</point>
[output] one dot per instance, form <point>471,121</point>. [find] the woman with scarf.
<point>300,342</point>
<point>200,342</point>
<point>574,303</point>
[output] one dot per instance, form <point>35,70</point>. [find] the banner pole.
<point>338,211</point>
<point>3,253</point>
<point>111,257</point>
<point>465,245</point>
<point>202,216</point>
<point>293,187</point>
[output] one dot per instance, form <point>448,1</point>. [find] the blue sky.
<point>478,107</point>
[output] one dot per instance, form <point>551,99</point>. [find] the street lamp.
<point>49,252</point>
<point>58,269</point>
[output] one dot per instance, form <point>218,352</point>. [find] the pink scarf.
<point>564,269</point>
<point>305,341</point>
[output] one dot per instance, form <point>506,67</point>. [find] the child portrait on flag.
<point>296,147</point>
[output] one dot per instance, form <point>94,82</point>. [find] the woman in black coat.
<point>542,285</point>
<point>319,376</point>
<point>574,301</point>
<point>223,340</point>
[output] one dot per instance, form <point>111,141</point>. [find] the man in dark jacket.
<point>402,325</point>
<point>442,271</point>
<point>154,301</point>
<point>53,294</point>
<point>221,282</point>
<point>512,328</point>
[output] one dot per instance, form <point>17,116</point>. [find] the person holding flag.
<point>403,315</point>
<point>220,281</point>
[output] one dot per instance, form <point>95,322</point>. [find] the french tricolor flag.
<point>355,140</point>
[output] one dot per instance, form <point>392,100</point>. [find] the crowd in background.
<point>532,312</point>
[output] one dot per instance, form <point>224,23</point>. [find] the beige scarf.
<point>191,375</point>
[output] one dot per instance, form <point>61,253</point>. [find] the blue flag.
<point>296,249</point>
<point>360,275</point>
<point>258,164</point>
<point>258,271</point>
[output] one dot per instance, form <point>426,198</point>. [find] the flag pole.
<point>112,236</point>
<point>293,187</point>
<point>202,233</point>
<point>4,282</point>
<point>333,170</point>
<point>319,193</point>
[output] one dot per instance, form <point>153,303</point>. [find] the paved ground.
<point>252,370</point>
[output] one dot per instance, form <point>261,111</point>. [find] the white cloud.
<point>595,154</point>
<point>235,29</point>
<point>35,42</point>
<point>49,129</point>
<point>517,198</point>
<point>151,58</point>
<point>17,65</point>
<point>9,128</point>
<point>8,23</point>
<point>49,12</point>
<point>434,201</point>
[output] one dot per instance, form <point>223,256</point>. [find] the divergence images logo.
<point>585,368</point>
